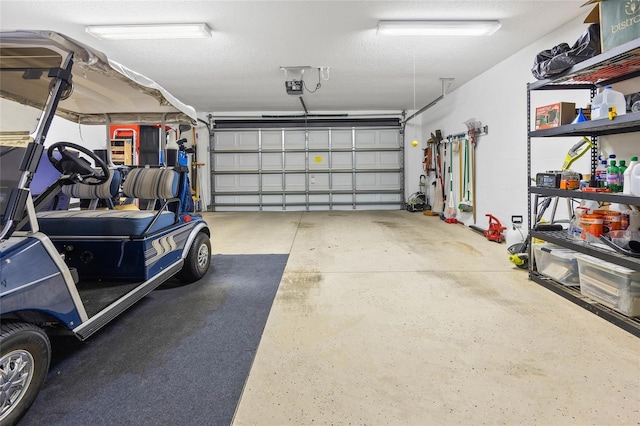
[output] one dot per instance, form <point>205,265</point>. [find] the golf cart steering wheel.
<point>70,164</point>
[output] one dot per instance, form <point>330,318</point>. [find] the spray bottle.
<point>514,234</point>
<point>601,174</point>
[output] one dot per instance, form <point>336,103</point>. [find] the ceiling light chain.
<point>414,89</point>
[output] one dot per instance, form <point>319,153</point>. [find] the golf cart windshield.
<point>25,87</point>
<point>24,91</point>
<point>43,74</point>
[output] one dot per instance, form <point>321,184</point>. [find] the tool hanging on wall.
<point>450,215</point>
<point>429,169</point>
<point>438,202</point>
<point>460,148</point>
<point>465,205</point>
<point>472,125</point>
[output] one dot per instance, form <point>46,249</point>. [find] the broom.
<point>451,208</point>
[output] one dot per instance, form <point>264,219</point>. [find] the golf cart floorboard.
<point>97,295</point>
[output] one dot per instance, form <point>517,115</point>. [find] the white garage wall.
<point>497,98</point>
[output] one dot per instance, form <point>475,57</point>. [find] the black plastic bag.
<point>562,57</point>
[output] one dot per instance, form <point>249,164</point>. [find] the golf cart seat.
<point>94,193</point>
<point>150,185</point>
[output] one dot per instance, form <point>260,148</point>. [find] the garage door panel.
<point>225,162</point>
<point>238,140</point>
<point>389,138</point>
<point>295,182</point>
<point>319,139</point>
<point>342,198</point>
<point>342,181</point>
<point>390,180</point>
<point>341,160</point>
<point>226,183</point>
<point>319,160</point>
<point>294,139</point>
<point>295,199</point>
<point>294,160</point>
<point>272,161</point>
<point>248,182</point>
<point>366,181</point>
<point>272,139</point>
<point>372,181</point>
<point>341,139</point>
<point>319,199</point>
<point>388,159</point>
<point>272,183</point>
<point>313,169</point>
<point>377,198</point>
<point>366,160</point>
<point>247,161</point>
<point>366,138</point>
<point>238,199</point>
<point>272,199</point>
<point>318,181</point>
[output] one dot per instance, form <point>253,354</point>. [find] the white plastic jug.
<point>635,181</point>
<point>626,178</point>
<point>514,236</point>
<point>632,218</point>
<point>606,99</point>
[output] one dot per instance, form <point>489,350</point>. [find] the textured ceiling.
<point>238,69</point>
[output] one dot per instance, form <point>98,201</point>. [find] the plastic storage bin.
<point>609,284</point>
<point>557,262</point>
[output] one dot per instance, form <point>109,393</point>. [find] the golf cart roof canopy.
<point>103,90</point>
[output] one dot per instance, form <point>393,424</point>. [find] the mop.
<point>465,205</point>
<point>472,125</point>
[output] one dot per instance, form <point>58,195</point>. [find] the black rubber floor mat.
<point>179,357</point>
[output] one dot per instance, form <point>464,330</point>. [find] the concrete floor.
<point>396,318</point>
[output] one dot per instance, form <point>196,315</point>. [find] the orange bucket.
<point>591,224</point>
<point>612,220</point>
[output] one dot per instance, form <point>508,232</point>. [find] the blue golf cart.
<point>73,270</point>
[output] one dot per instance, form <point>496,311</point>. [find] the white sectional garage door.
<point>313,168</point>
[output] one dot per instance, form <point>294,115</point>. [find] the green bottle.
<point>613,177</point>
<point>621,168</point>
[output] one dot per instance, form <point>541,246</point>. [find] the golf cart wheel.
<point>197,261</point>
<point>25,353</point>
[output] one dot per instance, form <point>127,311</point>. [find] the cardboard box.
<point>619,21</point>
<point>555,115</point>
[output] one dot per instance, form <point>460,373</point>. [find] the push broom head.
<point>465,207</point>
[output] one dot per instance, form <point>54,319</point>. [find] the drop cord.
<point>414,90</point>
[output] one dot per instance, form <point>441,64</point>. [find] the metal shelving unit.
<point>618,64</point>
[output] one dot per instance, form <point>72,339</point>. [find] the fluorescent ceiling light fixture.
<point>149,32</point>
<point>438,28</point>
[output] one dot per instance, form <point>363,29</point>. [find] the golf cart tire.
<point>197,262</point>
<point>25,350</point>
